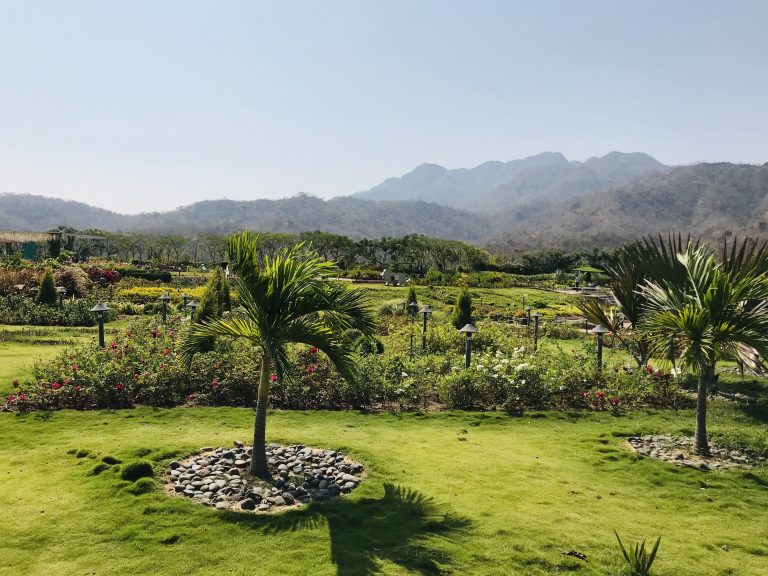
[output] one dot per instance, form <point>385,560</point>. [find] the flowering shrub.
<point>103,276</point>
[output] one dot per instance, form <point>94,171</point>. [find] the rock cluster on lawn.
<point>219,477</point>
<point>679,450</point>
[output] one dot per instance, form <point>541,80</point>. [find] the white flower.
<point>404,375</point>
<point>522,366</point>
<point>505,361</point>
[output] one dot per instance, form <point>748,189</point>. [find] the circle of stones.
<point>219,477</point>
<point>679,450</point>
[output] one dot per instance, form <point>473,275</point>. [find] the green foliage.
<point>462,312</point>
<point>638,558</point>
<point>137,469</point>
<point>17,309</point>
<point>411,296</point>
<point>46,293</point>
<point>141,486</point>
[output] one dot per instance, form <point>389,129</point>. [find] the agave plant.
<point>638,558</point>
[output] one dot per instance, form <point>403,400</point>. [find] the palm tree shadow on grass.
<point>403,527</point>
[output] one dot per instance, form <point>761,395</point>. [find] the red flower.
<point>601,394</point>
<point>659,374</point>
<point>154,333</point>
<point>215,384</point>
<point>119,386</point>
<point>113,345</point>
<point>55,385</point>
<point>76,388</point>
<point>313,350</point>
<point>273,378</point>
<point>585,394</point>
<point>74,367</point>
<point>615,401</point>
<point>166,351</point>
<point>649,369</point>
<point>310,369</point>
<point>23,397</point>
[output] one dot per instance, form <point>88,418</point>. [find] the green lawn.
<point>446,493</point>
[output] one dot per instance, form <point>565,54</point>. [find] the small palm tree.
<point>284,299</point>
<point>713,308</point>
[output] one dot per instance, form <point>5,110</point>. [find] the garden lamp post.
<point>100,309</point>
<point>600,331</point>
<point>413,308</point>
<point>185,298</point>
<point>165,299</point>
<point>528,314</point>
<point>535,317</point>
<point>468,330</point>
<point>426,311</point>
<point>193,307</point>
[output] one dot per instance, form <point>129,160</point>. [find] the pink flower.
<point>113,345</point>
<point>23,397</point>
<point>659,374</point>
<point>55,385</point>
<point>585,394</point>
<point>76,388</point>
<point>166,351</point>
<point>273,378</point>
<point>310,369</point>
<point>215,384</point>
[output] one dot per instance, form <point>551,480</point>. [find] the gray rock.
<point>247,504</point>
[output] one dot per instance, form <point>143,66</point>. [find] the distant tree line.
<point>414,253</point>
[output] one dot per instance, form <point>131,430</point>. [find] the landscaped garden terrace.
<point>524,463</point>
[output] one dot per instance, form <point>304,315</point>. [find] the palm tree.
<point>284,299</point>
<point>709,308</point>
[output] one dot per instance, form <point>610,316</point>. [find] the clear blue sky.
<point>146,105</point>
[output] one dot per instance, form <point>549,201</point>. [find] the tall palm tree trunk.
<point>259,466</point>
<point>700,442</point>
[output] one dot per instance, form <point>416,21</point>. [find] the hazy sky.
<point>139,106</point>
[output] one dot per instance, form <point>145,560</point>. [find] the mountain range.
<point>544,201</point>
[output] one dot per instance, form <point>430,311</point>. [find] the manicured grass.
<point>446,493</point>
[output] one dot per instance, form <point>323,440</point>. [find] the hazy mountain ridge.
<point>353,217</point>
<point>711,200</point>
<point>708,200</point>
<point>544,178</point>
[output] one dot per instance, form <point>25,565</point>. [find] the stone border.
<point>218,477</point>
<point>679,450</point>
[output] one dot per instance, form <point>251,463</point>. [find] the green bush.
<point>17,309</point>
<point>137,469</point>
<point>46,293</point>
<point>462,312</point>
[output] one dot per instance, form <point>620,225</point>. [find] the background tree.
<point>46,293</point>
<point>283,300</point>
<point>410,297</point>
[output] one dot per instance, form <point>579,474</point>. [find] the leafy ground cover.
<point>446,493</point>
